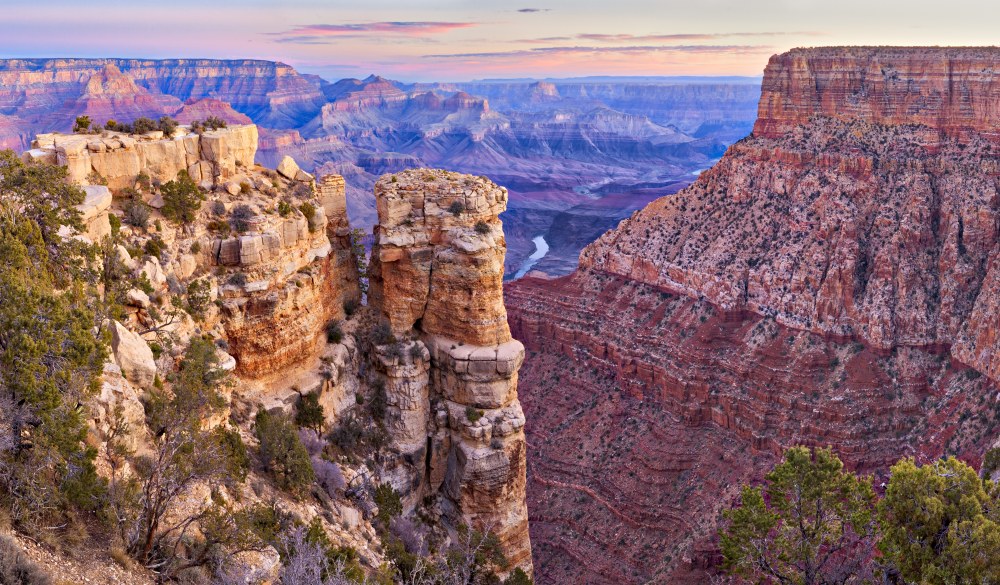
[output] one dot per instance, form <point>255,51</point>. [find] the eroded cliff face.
<point>830,281</point>
<point>275,282</point>
<point>116,159</point>
<point>950,90</point>
<point>451,376</point>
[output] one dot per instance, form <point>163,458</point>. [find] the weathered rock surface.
<point>948,90</point>
<point>118,159</point>
<point>295,277</point>
<point>831,281</point>
<point>133,356</point>
<point>440,255</point>
<point>436,275</point>
<point>94,212</point>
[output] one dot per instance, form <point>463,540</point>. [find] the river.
<point>541,249</point>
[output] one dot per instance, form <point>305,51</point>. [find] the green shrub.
<point>214,123</point>
<point>167,125</point>
<point>350,306</point>
<point>234,451</point>
<point>482,228</point>
<point>284,208</point>
<point>240,217</point>
<point>116,224</point>
<point>473,414</point>
<point>244,187</point>
<point>144,125</point>
<point>219,226</point>
<point>389,503</point>
<point>309,412</point>
<point>181,199</point>
<point>237,279</point>
<point>81,125</point>
<point>334,334</point>
<point>199,296</point>
<point>143,181</point>
<point>154,246</point>
<point>282,452</point>
<point>395,351</point>
<point>518,577</point>
<point>309,211</point>
<point>136,213</point>
<point>456,208</point>
<point>382,334</point>
<point>379,401</point>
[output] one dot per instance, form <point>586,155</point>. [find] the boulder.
<point>133,356</point>
<point>288,168</point>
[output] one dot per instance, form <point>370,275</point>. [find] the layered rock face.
<point>294,281</point>
<point>830,281</point>
<point>277,282</point>
<point>271,93</point>
<point>118,158</point>
<point>436,278</point>
<point>951,90</point>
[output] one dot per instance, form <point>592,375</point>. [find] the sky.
<point>460,40</point>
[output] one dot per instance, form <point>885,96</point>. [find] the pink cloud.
<point>319,33</point>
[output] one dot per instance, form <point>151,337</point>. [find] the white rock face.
<point>117,392</point>
<point>94,212</point>
<point>214,156</point>
<point>288,168</point>
<point>133,356</point>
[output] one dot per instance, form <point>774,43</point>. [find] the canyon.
<point>266,269</point>
<point>576,155</point>
<point>830,281</point>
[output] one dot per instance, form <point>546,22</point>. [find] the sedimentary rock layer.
<point>831,281</point>
<point>951,90</point>
<point>440,255</point>
<point>436,275</point>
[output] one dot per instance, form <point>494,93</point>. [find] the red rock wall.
<point>831,281</point>
<point>953,90</point>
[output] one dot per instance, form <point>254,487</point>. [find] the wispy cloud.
<point>310,34</point>
<point>532,10</point>
<point>665,38</point>
<point>648,49</point>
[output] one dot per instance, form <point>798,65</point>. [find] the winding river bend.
<point>541,249</point>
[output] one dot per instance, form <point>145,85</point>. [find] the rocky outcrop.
<point>952,91</point>
<point>440,251</point>
<point>292,278</point>
<point>436,279</point>
<point>884,237</point>
<point>117,158</point>
<point>133,356</point>
<point>829,282</point>
<point>94,212</point>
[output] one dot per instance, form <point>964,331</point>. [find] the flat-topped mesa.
<point>845,224</point>
<point>441,249</point>
<point>117,159</point>
<point>953,90</point>
<point>451,386</point>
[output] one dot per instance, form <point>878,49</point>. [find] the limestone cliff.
<point>832,280</point>
<point>276,282</point>
<point>117,159</point>
<point>436,278</point>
